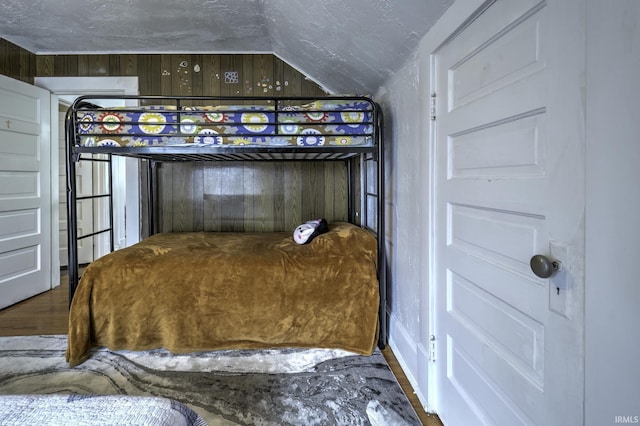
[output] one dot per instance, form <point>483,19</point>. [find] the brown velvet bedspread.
<point>203,291</point>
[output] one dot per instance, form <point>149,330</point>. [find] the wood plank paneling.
<point>83,66</point>
<point>357,189</point>
<point>164,173</point>
<point>128,65</point>
<point>278,75</point>
<point>198,197</point>
<point>44,66</point>
<point>98,66</point>
<point>293,194</point>
<point>263,75</point>
<point>265,194</point>
<point>279,202</point>
<point>16,62</point>
<point>181,77</point>
<point>197,80</point>
<point>149,83</point>
<point>212,198</point>
<point>292,81</point>
<point>248,196</point>
<point>232,197</point>
<point>182,206</point>
<point>166,78</point>
<point>162,74</point>
<point>310,88</point>
<point>115,68</point>
<point>232,75</point>
<point>65,65</point>
<point>249,63</point>
<point>251,187</point>
<point>211,75</point>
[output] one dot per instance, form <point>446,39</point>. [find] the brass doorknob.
<point>543,267</point>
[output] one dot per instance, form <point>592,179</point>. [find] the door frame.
<point>68,88</point>
<point>458,16</point>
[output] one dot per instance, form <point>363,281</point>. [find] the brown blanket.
<point>203,291</point>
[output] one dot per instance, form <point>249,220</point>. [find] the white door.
<point>25,191</point>
<point>509,185</point>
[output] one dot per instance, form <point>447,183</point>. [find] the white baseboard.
<point>408,354</point>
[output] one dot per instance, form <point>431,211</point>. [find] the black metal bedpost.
<point>382,257</point>
<point>110,198</point>
<point>72,213</point>
<point>350,216</point>
<point>151,168</point>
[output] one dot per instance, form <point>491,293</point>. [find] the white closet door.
<point>510,185</point>
<point>25,191</point>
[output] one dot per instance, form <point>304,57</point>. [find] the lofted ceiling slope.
<point>346,46</point>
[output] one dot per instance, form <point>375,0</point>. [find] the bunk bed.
<point>190,291</point>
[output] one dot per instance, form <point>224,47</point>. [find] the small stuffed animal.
<point>308,231</point>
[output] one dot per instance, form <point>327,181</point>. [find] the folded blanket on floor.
<point>95,410</point>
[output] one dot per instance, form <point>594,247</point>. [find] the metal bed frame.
<point>155,154</point>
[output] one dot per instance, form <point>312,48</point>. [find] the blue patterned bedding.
<point>323,122</point>
<point>57,409</point>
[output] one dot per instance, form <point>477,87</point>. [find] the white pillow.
<point>309,230</point>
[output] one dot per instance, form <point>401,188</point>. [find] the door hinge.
<point>432,348</point>
<point>432,110</point>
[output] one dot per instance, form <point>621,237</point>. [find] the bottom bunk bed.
<point>213,290</point>
<point>191,291</point>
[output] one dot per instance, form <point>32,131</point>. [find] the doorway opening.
<point>93,176</point>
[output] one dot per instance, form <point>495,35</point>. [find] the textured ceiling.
<point>347,46</point>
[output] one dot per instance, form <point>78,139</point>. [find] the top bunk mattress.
<point>326,122</point>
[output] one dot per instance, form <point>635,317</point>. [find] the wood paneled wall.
<point>188,74</point>
<point>229,196</point>
<point>16,62</point>
<point>247,196</point>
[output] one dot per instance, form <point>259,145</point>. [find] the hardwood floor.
<point>427,419</point>
<point>47,313</point>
